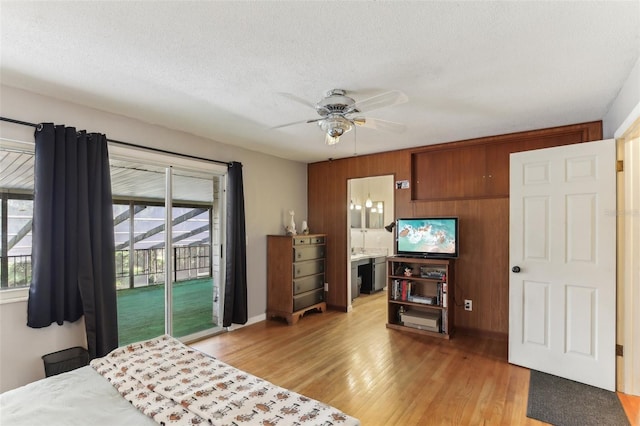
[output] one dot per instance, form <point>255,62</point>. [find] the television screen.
<point>427,237</point>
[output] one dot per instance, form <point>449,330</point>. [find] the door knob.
<point>515,269</point>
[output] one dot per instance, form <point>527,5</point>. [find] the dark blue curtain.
<point>235,289</point>
<point>72,238</point>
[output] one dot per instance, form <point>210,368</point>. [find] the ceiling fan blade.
<point>313,120</point>
<point>297,99</point>
<point>394,97</point>
<point>377,124</point>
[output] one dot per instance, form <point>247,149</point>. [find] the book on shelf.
<point>432,273</point>
<point>444,295</point>
<point>401,290</point>
<point>406,289</point>
<point>425,300</point>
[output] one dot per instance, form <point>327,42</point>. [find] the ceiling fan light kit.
<point>334,126</point>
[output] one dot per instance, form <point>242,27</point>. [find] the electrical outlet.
<point>468,305</point>
<point>326,286</point>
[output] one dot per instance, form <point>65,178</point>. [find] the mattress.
<point>80,397</point>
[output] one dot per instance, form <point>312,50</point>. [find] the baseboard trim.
<point>337,308</point>
<point>493,335</point>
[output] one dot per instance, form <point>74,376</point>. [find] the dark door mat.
<point>563,402</point>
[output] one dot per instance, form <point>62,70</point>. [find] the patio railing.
<point>18,271</point>
<point>148,267</point>
<point>189,262</point>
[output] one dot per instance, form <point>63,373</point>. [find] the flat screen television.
<point>427,237</point>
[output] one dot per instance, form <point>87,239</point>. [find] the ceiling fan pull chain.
<point>355,141</point>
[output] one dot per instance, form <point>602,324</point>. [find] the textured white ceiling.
<point>216,69</point>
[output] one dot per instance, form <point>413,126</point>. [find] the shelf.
<point>417,277</point>
<point>436,288</point>
<point>418,304</point>
<point>418,331</point>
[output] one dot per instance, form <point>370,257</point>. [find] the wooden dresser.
<point>295,275</point>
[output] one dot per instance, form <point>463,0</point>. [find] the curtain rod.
<point>25,123</point>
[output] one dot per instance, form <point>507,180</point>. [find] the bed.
<point>161,381</point>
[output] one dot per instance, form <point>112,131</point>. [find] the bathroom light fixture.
<point>390,227</point>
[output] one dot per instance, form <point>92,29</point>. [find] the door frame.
<point>628,333</point>
<point>389,209</point>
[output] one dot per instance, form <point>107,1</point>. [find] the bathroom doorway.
<point>370,208</point>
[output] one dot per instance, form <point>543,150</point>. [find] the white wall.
<point>21,347</point>
<point>272,186</point>
<point>621,112</point>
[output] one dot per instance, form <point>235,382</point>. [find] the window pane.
<point>18,237</point>
<point>138,212</point>
<point>194,291</point>
<point>16,192</point>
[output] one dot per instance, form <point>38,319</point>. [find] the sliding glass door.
<point>195,231</point>
<point>158,206</point>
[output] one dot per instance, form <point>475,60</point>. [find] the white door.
<point>562,249</point>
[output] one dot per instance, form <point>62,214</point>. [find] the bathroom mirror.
<point>356,218</point>
<point>375,215</point>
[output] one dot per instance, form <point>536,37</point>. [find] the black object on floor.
<point>65,360</point>
<point>563,402</point>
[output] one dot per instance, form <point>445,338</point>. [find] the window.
<point>139,187</point>
<point>15,263</point>
<point>16,214</point>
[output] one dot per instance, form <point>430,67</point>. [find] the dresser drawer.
<point>298,241</point>
<point>308,253</point>
<point>312,267</point>
<point>304,240</point>
<point>305,284</point>
<point>303,300</point>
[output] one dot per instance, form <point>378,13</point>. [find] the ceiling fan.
<point>338,113</point>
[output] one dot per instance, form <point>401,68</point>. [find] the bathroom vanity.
<point>368,273</point>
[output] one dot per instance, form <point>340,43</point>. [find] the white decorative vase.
<point>291,228</point>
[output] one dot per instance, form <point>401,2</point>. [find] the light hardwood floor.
<point>381,376</point>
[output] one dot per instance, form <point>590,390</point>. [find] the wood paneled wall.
<point>482,271</point>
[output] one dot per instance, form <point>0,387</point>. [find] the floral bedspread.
<point>177,385</point>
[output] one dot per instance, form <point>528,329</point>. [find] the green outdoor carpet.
<point>563,402</point>
<point>141,310</point>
